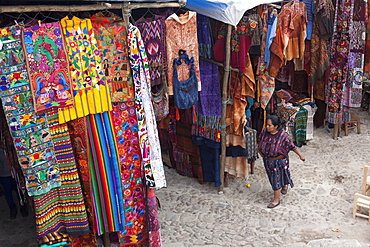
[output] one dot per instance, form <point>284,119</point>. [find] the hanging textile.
<point>90,89</point>
<point>236,156</point>
<point>31,135</point>
<point>153,33</point>
<point>353,86</point>
<point>210,152</point>
<point>106,177</point>
<point>301,125</point>
<point>271,22</point>
<point>148,133</point>
<point>204,37</point>
<point>235,112</point>
<point>133,186</point>
<point>153,225</point>
<point>256,38</point>
<point>78,131</point>
<point>62,208</point>
<point>178,29</point>
<point>310,13</point>
<point>208,127</point>
<point>248,79</point>
<point>266,82</point>
<point>367,50</point>
<point>339,62</point>
<point>319,57</point>
<point>241,42</point>
<point>47,67</point>
<point>111,36</point>
<point>11,156</point>
<point>210,96</point>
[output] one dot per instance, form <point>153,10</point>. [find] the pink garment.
<point>181,34</point>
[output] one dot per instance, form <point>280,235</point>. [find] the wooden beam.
<point>57,8</point>
<point>87,7</point>
<point>217,63</point>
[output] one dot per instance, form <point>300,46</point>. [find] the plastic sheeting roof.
<point>226,11</point>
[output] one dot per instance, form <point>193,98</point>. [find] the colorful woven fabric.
<point>207,127</point>
<point>105,175</point>
<point>153,33</point>
<point>78,131</point>
<point>301,124</point>
<point>6,141</point>
<point>153,226</point>
<point>265,82</point>
<point>210,96</point>
<point>319,61</point>
<point>353,86</point>
<point>63,207</point>
<point>90,89</point>
<point>148,133</point>
<point>111,36</point>
<point>47,66</point>
<point>126,130</point>
<point>204,36</point>
<point>183,139</point>
<point>339,60</point>
<point>31,136</point>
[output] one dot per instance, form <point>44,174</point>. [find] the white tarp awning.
<point>226,11</point>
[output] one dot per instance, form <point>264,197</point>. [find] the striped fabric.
<point>105,174</point>
<point>62,208</point>
<point>78,132</point>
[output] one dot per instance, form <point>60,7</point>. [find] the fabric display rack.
<point>94,104</point>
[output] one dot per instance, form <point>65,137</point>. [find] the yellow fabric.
<point>91,91</point>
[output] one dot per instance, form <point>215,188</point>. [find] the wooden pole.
<point>218,64</point>
<point>224,103</point>
<point>87,7</point>
<point>106,239</point>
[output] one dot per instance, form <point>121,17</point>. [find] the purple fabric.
<point>210,96</point>
<point>204,36</point>
<point>274,145</point>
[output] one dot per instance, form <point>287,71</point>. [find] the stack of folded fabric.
<point>55,239</point>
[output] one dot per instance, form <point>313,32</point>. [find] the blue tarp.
<point>226,11</point>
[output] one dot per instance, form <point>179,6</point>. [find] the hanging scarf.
<point>266,82</point>
<point>339,61</point>
<point>90,89</point>
<point>353,85</point>
<point>111,36</point>
<point>31,135</point>
<point>148,134</point>
<point>47,67</point>
<point>62,208</point>
<point>78,131</point>
<point>106,178</point>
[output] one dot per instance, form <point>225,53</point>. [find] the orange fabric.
<point>247,80</point>
<point>276,56</point>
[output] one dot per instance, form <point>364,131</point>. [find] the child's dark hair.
<point>276,121</point>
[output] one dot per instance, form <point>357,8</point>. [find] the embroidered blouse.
<point>181,33</point>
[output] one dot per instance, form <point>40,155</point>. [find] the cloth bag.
<point>185,92</point>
